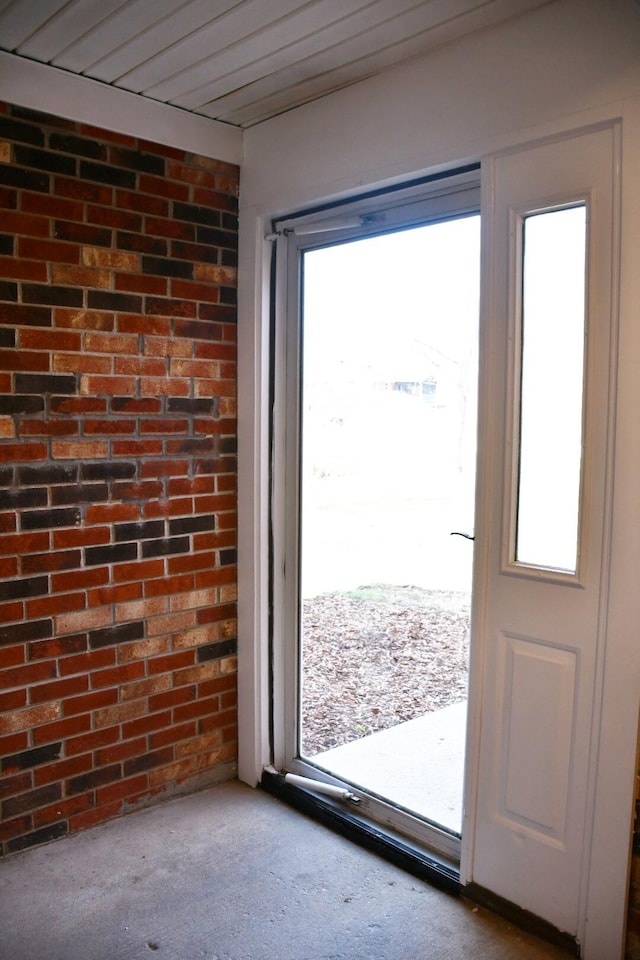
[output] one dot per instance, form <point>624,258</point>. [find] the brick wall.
<point>117,474</point>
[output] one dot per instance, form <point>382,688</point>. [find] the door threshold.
<point>400,851</point>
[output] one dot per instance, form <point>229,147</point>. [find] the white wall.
<point>565,66</point>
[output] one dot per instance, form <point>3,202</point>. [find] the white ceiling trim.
<point>49,90</point>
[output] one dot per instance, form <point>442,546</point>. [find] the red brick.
<point>139,366</point>
<point>83,319</point>
<point>59,689</point>
<point>81,821</point>
<point>119,712</point>
<point>62,768</point>
<point>86,450</point>
<point>82,190</point>
<point>13,655</point>
<point>191,711</point>
<point>92,741</point>
<point>13,700</point>
<point>59,646</point>
<point>112,512</point>
<point>146,326</point>
<point>18,360</point>
<point>50,606</point>
<point>81,537</point>
<point>173,734</point>
<point>171,623</point>
<point>48,428</point>
<point>15,828</point>
<point>186,485</point>
<point>20,783</point>
<point>143,570</point>
<point>83,363</point>
<point>168,585</point>
<point>74,276</point>
<point>163,187</point>
<point>16,269</point>
<point>157,227</point>
<point>51,207</point>
<point>203,178</point>
<point>136,448</point>
<point>164,468</point>
<point>123,789</point>
<point>164,346</point>
<point>90,701</point>
<point>86,619</point>
<point>209,578</point>
<point>110,343</point>
<point>14,743</point>
<point>162,386</point>
<point>61,729</point>
<point>134,283</point>
<point>30,673</point>
<point>141,649</point>
<point>169,508</point>
<point>172,698</point>
<point>199,744</point>
<point>81,662</point>
<point>91,577</point>
<point>146,724</point>
<point>118,386</point>
<point>198,561</point>
<point>55,250</point>
<point>172,661</point>
<point>38,338</point>
<point>174,772</point>
<point>22,223</point>
<point>79,405</point>
<point>63,809</point>
<point>108,217</point>
<point>11,611</point>
<point>116,675</point>
<point>24,719</point>
<point>210,688</point>
<point>108,427</point>
<point>113,594</point>
<point>189,290</point>
<point>121,751</point>
<point>145,687</point>
<point>157,206</point>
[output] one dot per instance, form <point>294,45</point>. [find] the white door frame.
<point>614,774</point>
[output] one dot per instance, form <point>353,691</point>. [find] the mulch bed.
<point>378,656</point>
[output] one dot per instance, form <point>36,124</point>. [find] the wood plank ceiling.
<point>239,61</point>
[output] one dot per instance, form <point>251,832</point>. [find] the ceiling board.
<point>239,61</point>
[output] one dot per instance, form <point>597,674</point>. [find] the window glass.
<point>551,388</point>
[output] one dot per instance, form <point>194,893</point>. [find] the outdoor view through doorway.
<point>387,474</point>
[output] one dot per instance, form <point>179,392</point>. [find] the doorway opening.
<point>389,383</point>
<point>381,444</point>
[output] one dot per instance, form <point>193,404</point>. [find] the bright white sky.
<point>371,302</point>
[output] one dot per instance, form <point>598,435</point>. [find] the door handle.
<point>459,533</point>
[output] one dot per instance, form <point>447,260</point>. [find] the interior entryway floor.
<point>233,874</point>
<point>418,765</point>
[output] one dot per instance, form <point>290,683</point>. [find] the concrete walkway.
<point>233,874</point>
<point>418,765</point>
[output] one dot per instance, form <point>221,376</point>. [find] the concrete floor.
<point>233,874</point>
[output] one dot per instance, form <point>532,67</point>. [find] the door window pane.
<point>551,388</point>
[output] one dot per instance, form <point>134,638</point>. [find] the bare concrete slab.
<point>233,874</point>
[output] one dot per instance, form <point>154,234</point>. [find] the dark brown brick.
<point>31,800</point>
<point>31,758</point>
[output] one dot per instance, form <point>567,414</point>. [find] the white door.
<point>542,528</point>
<point>377,427</point>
